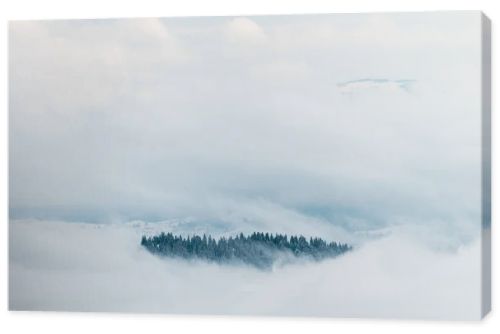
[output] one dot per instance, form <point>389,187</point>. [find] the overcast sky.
<point>356,121</point>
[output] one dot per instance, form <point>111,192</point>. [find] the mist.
<point>360,129</point>
<point>229,119</point>
<point>62,266</point>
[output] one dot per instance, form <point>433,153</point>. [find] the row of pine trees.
<point>258,249</point>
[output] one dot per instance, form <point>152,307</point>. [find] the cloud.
<point>91,267</point>
<point>86,64</point>
<point>282,72</point>
<point>156,119</point>
<point>236,124</point>
<point>380,85</point>
<point>376,32</point>
<point>244,31</point>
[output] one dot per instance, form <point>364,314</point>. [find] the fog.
<point>364,129</point>
<point>89,267</point>
<point>232,119</point>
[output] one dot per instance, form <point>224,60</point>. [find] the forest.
<point>259,249</point>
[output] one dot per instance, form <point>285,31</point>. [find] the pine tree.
<point>258,249</point>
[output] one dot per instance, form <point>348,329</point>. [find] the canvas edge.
<point>485,165</point>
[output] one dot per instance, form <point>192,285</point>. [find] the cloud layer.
<point>242,117</point>
<point>251,124</point>
<point>87,267</point>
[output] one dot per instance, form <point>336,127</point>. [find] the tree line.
<point>259,249</point>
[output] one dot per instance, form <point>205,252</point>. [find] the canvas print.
<point>303,165</point>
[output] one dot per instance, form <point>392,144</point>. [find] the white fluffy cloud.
<point>75,66</point>
<point>239,119</point>
<point>242,30</point>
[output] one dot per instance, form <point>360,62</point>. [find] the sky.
<point>343,118</point>
<point>360,128</point>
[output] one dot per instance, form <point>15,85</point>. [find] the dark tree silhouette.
<point>258,249</point>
